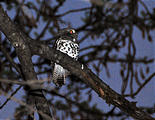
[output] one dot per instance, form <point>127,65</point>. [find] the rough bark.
<point>84,73</point>
<point>19,41</point>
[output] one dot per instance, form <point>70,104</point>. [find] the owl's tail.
<point>59,75</point>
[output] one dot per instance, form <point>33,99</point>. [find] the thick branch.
<point>102,89</point>
<point>19,41</point>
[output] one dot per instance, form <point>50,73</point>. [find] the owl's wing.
<point>58,76</point>
<point>78,48</point>
<point>55,44</point>
<point>55,47</point>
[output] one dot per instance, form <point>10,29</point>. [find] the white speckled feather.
<point>69,47</point>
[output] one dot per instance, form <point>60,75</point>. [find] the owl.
<point>66,43</point>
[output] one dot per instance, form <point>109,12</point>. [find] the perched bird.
<point>66,43</point>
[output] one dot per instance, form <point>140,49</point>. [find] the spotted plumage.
<point>66,43</point>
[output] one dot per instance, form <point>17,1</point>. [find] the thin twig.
<point>8,57</point>
<point>9,98</point>
<point>140,88</point>
<point>44,30</point>
<point>30,108</point>
<point>71,11</point>
<point>24,82</point>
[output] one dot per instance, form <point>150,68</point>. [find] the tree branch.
<point>9,98</point>
<point>30,108</point>
<point>18,40</point>
<point>142,86</point>
<point>101,88</point>
<point>6,54</point>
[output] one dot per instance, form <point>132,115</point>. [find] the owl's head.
<point>69,34</point>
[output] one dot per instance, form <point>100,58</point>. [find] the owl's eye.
<point>71,32</point>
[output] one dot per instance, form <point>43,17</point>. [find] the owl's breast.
<point>68,47</point>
